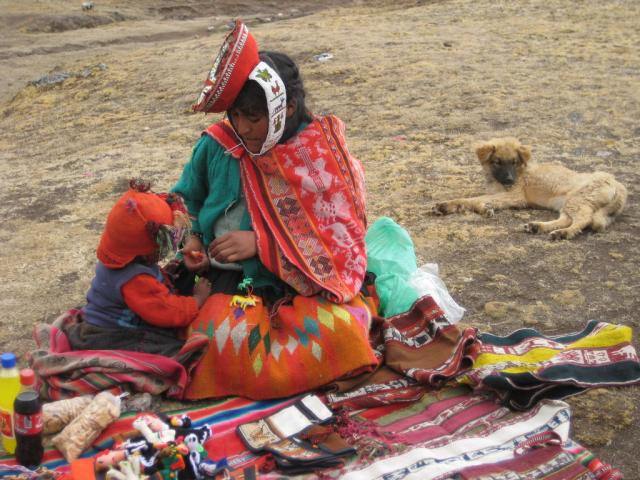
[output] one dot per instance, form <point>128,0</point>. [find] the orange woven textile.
<point>307,344</point>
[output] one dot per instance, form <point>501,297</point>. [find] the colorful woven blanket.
<point>526,366</point>
<point>418,349</point>
<point>66,373</point>
<point>305,345</point>
<point>451,433</point>
<point>223,415</point>
<point>455,434</point>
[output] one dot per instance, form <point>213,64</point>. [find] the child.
<point>130,305</point>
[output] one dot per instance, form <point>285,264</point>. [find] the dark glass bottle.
<point>27,417</point>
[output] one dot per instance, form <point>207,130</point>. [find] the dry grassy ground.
<point>417,83</point>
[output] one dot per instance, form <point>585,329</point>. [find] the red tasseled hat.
<point>127,233</point>
<point>238,56</point>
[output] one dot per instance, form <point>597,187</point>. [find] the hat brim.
<point>108,254</point>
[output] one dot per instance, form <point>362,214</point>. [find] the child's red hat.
<point>129,231</point>
<point>237,57</point>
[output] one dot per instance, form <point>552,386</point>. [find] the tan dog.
<point>583,199</point>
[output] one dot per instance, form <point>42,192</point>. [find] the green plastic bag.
<point>392,257</point>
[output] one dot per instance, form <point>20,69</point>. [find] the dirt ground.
<point>91,98</point>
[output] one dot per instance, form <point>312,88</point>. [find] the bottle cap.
<point>8,360</point>
<point>27,376</point>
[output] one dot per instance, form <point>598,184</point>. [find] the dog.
<point>583,199</point>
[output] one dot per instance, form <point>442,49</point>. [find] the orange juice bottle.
<point>9,388</point>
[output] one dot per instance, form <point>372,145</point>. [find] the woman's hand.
<point>195,256</point>
<point>234,246</point>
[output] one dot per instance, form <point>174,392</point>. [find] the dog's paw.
<point>484,209</point>
<point>560,234</point>
<point>531,227</point>
<point>487,210</point>
<point>440,208</point>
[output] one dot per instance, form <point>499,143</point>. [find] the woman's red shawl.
<point>307,206</point>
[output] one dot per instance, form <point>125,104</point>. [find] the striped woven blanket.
<point>526,366</point>
<point>455,434</point>
<point>450,433</point>
<point>65,373</point>
<point>223,415</point>
<point>423,429</point>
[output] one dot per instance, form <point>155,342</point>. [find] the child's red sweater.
<point>156,305</point>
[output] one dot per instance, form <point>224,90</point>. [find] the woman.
<point>278,229</point>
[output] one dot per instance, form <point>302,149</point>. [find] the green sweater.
<point>210,184</point>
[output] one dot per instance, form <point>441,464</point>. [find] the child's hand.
<point>234,246</point>
<point>201,291</point>
<point>195,257</point>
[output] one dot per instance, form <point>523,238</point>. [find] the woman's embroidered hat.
<point>142,223</point>
<point>237,57</point>
<point>237,62</point>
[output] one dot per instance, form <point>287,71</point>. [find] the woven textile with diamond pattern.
<point>308,343</point>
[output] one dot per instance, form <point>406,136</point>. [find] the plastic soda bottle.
<point>27,422</point>
<point>9,388</point>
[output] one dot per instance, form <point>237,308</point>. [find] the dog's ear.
<point>524,154</point>
<point>484,151</point>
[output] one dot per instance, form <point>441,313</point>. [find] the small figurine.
<point>154,430</point>
<point>242,301</point>
<point>182,421</point>
<point>194,440</point>
<point>109,458</point>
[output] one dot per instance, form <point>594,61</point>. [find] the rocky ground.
<point>90,98</point>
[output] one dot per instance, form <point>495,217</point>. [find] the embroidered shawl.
<point>307,206</point>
